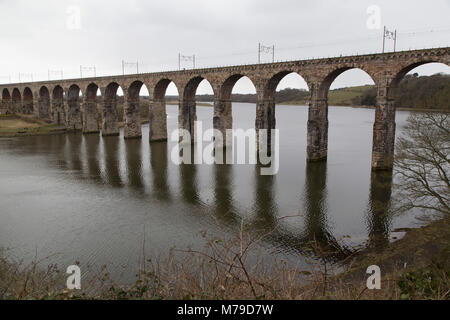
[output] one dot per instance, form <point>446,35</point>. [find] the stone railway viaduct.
<point>74,102</point>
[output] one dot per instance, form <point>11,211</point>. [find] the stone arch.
<point>384,131</point>
<point>271,85</point>
<point>159,91</point>
<point>6,97</point>
<point>74,116</point>
<point>44,103</point>
<point>58,112</point>
<point>227,86</point>
<point>157,110</point>
<point>401,73</point>
<point>90,109</point>
<point>110,124</point>
<point>6,102</point>
<point>27,105</point>
<point>317,128</point>
<point>191,86</point>
<point>16,105</point>
<point>265,114</point>
<point>223,110</point>
<point>187,114</point>
<point>326,82</point>
<point>132,110</point>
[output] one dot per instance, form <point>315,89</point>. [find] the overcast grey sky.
<point>45,34</point>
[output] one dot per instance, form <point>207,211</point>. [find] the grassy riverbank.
<point>24,125</point>
<point>415,267</point>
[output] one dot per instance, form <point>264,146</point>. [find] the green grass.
<point>18,125</point>
<point>346,96</point>
<point>338,97</point>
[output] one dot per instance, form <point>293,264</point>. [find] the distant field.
<point>338,97</point>
<point>16,124</point>
<point>25,125</point>
<point>346,96</point>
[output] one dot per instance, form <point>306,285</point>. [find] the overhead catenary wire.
<point>167,64</point>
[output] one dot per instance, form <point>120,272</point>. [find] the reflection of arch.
<point>111,173</point>
<point>73,148</point>
<point>317,233</point>
<point>90,110</point>
<point>58,112</point>
<point>74,121</point>
<point>110,113</point>
<point>44,103</point>
<point>223,194</point>
<point>158,162</point>
<point>265,205</point>
<point>27,105</point>
<point>6,102</point>
<point>16,105</point>
<point>189,185</point>
<point>91,143</point>
<point>134,164</point>
<point>378,211</point>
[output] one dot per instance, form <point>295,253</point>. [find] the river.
<point>91,199</point>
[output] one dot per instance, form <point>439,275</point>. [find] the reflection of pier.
<point>134,164</point>
<point>158,162</point>
<point>315,238</point>
<point>379,215</point>
<point>111,161</point>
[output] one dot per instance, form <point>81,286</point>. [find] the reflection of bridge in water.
<point>97,158</point>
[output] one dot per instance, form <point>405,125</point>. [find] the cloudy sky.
<point>62,35</point>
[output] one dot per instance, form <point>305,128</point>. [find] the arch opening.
<point>344,78</point>
<point>58,112</point>
<point>74,115</point>
<point>110,124</point>
<point>6,102</point>
<point>187,114</point>
<point>16,101</point>
<point>240,91</point>
<point>163,111</point>
<point>44,103</point>
<point>339,80</point>
<point>136,107</point>
<point>422,85</point>
<point>286,86</point>
<point>91,114</point>
<point>27,105</point>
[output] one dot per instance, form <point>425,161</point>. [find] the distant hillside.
<point>427,92</point>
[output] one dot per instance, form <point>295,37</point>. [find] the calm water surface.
<point>93,199</point>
